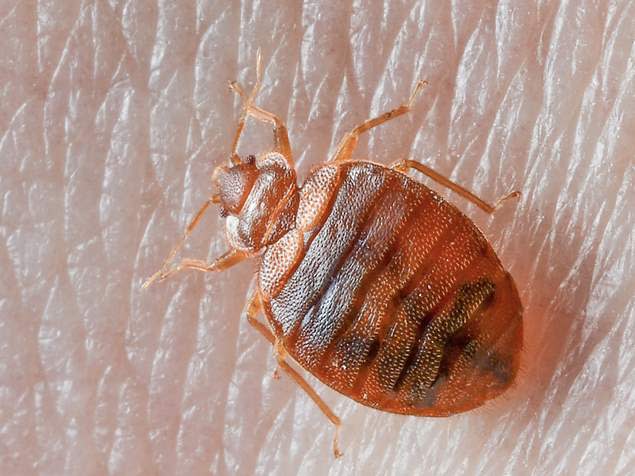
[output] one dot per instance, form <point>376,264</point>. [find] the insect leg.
<point>404,165</point>
<point>221,263</point>
<point>280,134</point>
<point>349,141</point>
<point>324,408</point>
<point>251,311</point>
<point>188,231</point>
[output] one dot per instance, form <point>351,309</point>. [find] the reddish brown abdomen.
<point>390,295</point>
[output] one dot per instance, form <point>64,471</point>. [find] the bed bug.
<point>368,279</point>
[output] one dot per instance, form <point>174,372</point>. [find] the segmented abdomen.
<point>390,295</point>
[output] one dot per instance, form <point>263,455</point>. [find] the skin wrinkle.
<point>112,117</point>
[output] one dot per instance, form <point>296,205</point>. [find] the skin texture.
<point>113,116</point>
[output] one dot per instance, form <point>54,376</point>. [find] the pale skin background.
<point>113,115</point>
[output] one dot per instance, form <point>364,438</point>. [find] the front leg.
<point>221,263</point>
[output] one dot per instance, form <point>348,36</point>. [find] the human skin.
<point>113,116</point>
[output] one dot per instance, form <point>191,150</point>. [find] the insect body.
<point>390,295</point>
<point>367,278</point>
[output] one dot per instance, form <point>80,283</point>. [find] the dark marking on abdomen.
<point>424,369</point>
<point>330,243</point>
<point>418,300</point>
<point>333,312</point>
<point>425,221</point>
